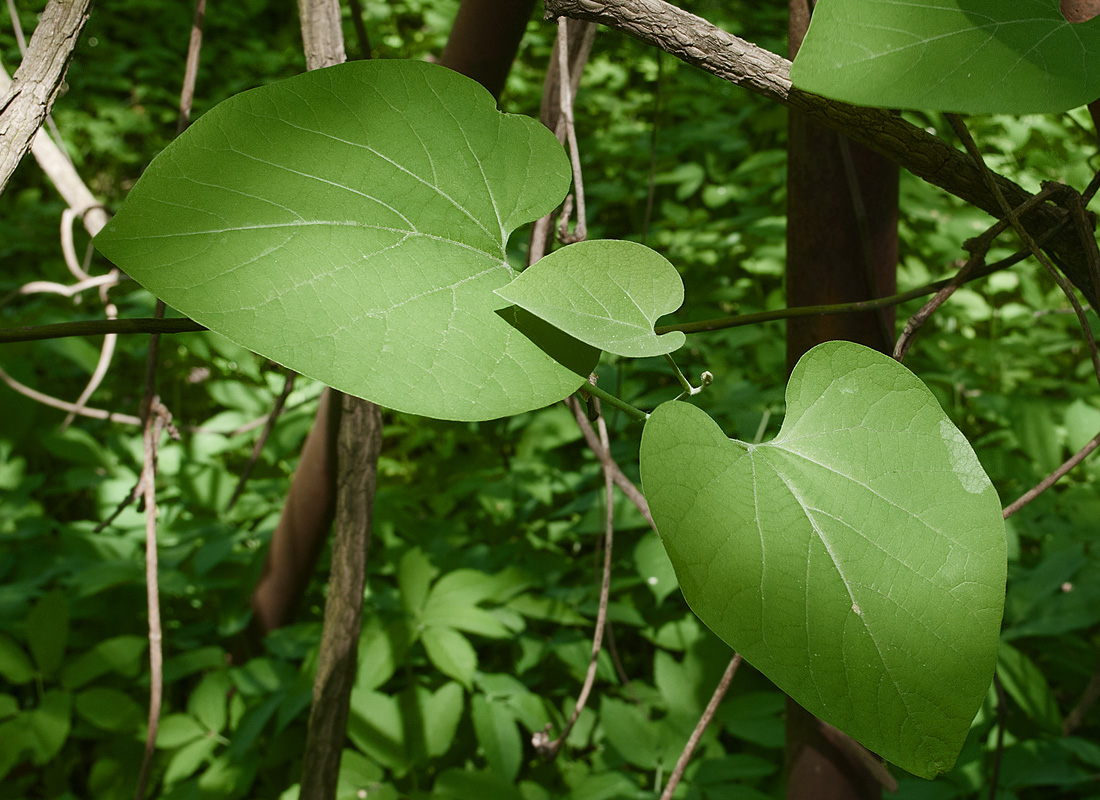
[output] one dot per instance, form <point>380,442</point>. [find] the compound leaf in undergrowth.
<point>350,223</point>
<point>606,293</point>
<point>969,56</point>
<point>857,559</point>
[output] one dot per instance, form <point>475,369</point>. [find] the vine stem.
<point>61,330</point>
<point>612,400</point>
<point>700,727</point>
<point>1052,478</point>
<point>550,750</point>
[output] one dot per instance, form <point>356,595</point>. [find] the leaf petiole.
<point>612,400</point>
<point>705,379</point>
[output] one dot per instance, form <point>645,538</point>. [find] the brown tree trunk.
<point>841,246</point>
<point>485,39</point>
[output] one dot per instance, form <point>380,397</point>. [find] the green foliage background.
<point>484,570</point>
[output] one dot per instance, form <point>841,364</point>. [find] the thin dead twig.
<point>1052,478</point>
<point>148,483</point>
<point>1088,699</point>
<point>1092,264</point>
<point>701,726</point>
<point>154,416</point>
<point>550,750</point>
<point>269,426</point>
<point>576,42</point>
<point>632,492</point>
<point>580,230</point>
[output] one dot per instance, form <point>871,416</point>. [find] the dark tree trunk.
<point>841,246</point>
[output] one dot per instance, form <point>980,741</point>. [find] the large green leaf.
<point>969,56</point>
<point>350,223</point>
<point>608,294</point>
<point>858,559</point>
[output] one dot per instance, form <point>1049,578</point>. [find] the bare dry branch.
<point>34,88</point>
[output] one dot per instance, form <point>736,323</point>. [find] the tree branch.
<point>698,42</point>
<point>24,107</point>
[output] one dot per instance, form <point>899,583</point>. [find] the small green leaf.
<point>208,701</point>
<point>414,576</point>
<point>109,709</point>
<point>187,760</point>
<point>470,619</point>
<point>441,711</point>
<point>9,706</point>
<point>651,561</point>
<point>351,223</point>
<point>630,733</point>
<point>495,726</point>
<point>176,730</point>
<point>1025,683</point>
<point>358,774</point>
<point>377,660</point>
<point>48,725</point>
<point>608,294</point>
<point>858,559</point>
<point>452,653</point>
<point>376,727</point>
<point>969,56</point>
<point>15,666</point>
<point>121,655</point>
<point>48,631</point>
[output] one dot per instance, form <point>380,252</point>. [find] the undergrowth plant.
<point>352,224</point>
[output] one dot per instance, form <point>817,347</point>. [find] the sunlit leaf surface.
<point>857,560</point>
<point>350,223</point>
<point>969,56</point>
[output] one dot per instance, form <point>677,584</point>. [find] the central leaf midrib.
<point>848,585</point>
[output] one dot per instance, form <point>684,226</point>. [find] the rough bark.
<point>842,243</point>
<point>695,41</point>
<point>23,108</point>
<point>307,517</point>
<point>485,38</point>
<point>360,441</point>
<point>322,35</point>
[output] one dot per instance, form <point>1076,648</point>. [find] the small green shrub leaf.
<point>178,729</point>
<point>15,666</point>
<point>48,631</point>
<point>119,654</point>
<point>608,294</point>
<point>969,56</point>
<point>48,725</point>
<point>440,711</point>
<point>109,709</point>
<point>495,726</point>
<point>858,559</point>
<point>451,652</point>
<point>350,223</point>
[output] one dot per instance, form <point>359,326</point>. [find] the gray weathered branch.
<point>28,100</point>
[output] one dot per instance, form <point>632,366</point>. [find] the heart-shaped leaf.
<point>351,224</point>
<point>606,293</point>
<point>969,56</point>
<point>858,559</point>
